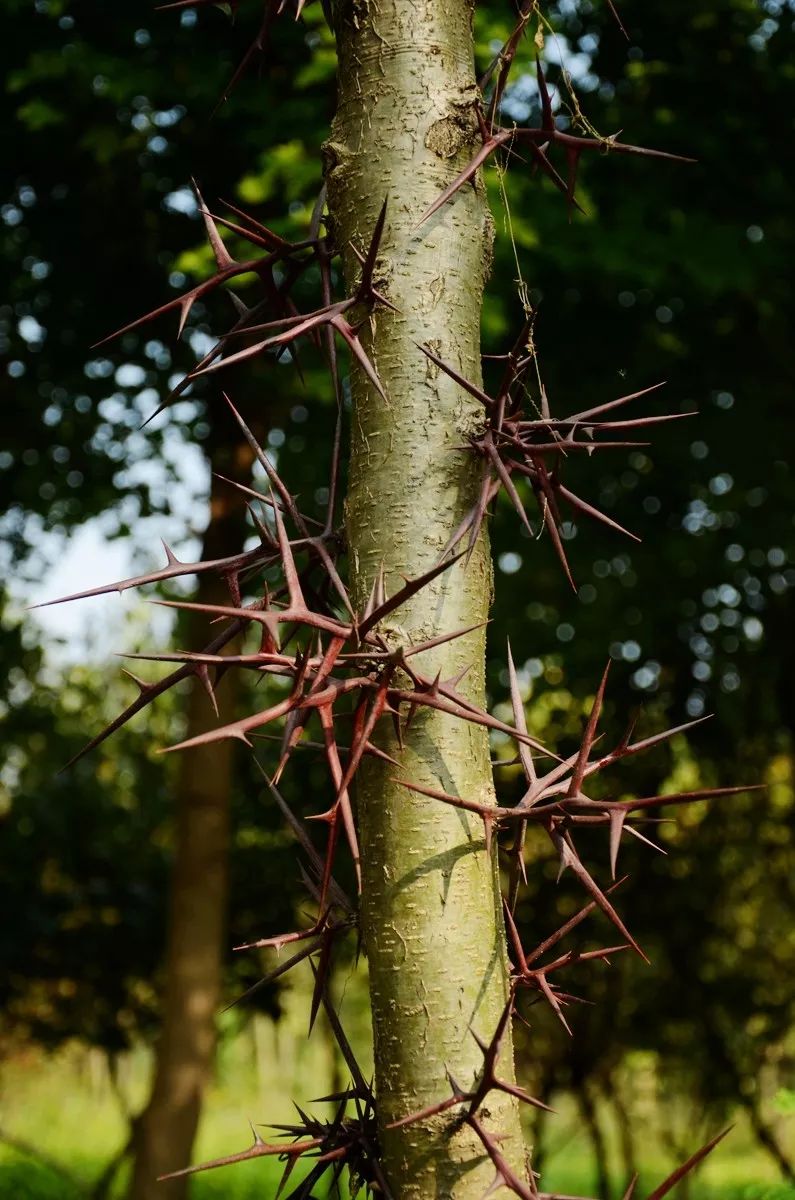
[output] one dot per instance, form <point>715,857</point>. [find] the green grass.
<point>23,1179</point>
<point>66,1107</point>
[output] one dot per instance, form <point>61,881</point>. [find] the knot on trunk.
<point>453,132</point>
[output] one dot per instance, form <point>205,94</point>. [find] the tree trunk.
<point>431,912</point>
<point>590,1120</point>
<point>611,1091</point>
<point>766,1137</point>
<point>197,919</point>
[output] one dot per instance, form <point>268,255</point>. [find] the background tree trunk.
<point>590,1121</point>
<point>166,1129</point>
<point>431,913</point>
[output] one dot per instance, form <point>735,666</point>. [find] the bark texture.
<point>166,1129</point>
<point>431,914</point>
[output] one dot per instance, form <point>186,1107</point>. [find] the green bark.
<point>431,916</point>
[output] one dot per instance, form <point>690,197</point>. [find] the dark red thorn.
<point>485,151</point>
<point>285,1175</point>
<point>510,487</point>
<point>482,810</point>
<point>570,858</point>
<point>505,55</point>
<point>489,487</point>
<point>458,533</point>
<point>223,259</point>
<point>185,302</point>
<point>609,144</point>
<point>626,750</point>
<point>268,243</point>
<point>370,748</point>
<point>349,336</point>
<point>271,618</point>
<point>457,708</point>
<point>513,1089</point>
<point>472,388</point>
<point>589,736</point>
<point>514,939</point>
<point>343,1043</point>
<point>321,973</point>
<point>501,1166</point>
<point>233,5</point>
<point>647,841</point>
<point>270,470</point>
<point>282,969</point>
<point>285,939</point>
<point>342,805</point>
<point>488,832</point>
<point>432,1110</point>
<point>377,593</point>
<point>364,291</point>
<point>587,413</point>
<point>547,116</point>
<point>563,447</point>
<point>141,684</point>
<point>296,327</point>
<point>518,868</point>
<point>547,502</point>
<point>262,530</point>
<point>257,46</point>
<point>520,721</point>
<point>203,675</point>
<point>589,510</point>
<point>634,423</point>
<point>237,730</point>
<point>552,1000</point>
<point>668,1184</point>
<point>580,956</point>
<point>259,1148</point>
<point>287,561</point>
<point>145,698</point>
<point>572,163</point>
<point>360,741</point>
<point>431,643</point>
<point>336,894</point>
<point>409,589</point>
<point>617,818</point>
<point>549,170</point>
<point>489,1080</point>
<point>572,923</point>
<point>274,241</point>
<point>676,798</point>
<point>297,719</point>
<point>172,570</point>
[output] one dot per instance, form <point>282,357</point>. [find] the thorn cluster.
<point>539,140</point>
<point>349,1139</point>
<point>516,445</point>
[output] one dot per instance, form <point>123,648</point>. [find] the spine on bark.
<point>380,615</point>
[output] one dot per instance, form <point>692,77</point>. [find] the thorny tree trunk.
<point>430,907</point>
<point>166,1129</point>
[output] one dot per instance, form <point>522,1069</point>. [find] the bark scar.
<point>452,132</point>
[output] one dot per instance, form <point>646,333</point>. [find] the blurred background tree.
<point>680,274</point>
